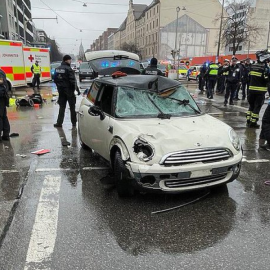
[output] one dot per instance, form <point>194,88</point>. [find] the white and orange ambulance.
<point>16,61</point>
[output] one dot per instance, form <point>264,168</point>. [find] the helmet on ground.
<point>263,56</point>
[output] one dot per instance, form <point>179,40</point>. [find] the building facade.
<point>153,28</point>
<point>258,16</point>
<point>102,43</point>
<point>14,14</point>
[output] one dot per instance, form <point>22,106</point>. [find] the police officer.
<point>203,70</point>
<point>152,69</point>
<point>65,81</point>
<point>258,78</point>
<point>4,102</point>
<point>232,81</point>
<point>36,71</point>
<point>222,76</point>
<point>211,74</point>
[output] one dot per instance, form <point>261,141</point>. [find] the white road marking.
<point>256,160</point>
<point>70,169</point>
<point>9,171</point>
<point>44,231</point>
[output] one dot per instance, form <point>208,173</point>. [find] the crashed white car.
<point>155,137</point>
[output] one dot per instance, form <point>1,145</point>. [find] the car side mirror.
<point>96,111</point>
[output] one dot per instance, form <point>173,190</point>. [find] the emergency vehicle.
<point>16,61</point>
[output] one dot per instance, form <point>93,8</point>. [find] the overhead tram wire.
<point>95,3</point>
<point>81,12</point>
<point>68,21</point>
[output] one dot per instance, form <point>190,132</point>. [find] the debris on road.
<point>22,156</point>
<point>180,206</point>
<point>41,152</point>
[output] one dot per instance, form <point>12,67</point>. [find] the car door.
<point>83,119</point>
<point>98,134</point>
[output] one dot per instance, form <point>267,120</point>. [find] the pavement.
<point>55,213</point>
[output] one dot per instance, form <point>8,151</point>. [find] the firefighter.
<point>152,69</point>
<point>4,102</point>
<point>65,81</point>
<point>211,75</point>
<point>248,67</point>
<point>258,78</point>
<point>36,71</point>
<point>264,141</point>
<point>232,81</point>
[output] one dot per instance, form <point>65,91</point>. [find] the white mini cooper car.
<point>154,135</point>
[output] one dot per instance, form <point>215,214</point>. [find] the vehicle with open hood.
<point>154,135</point>
<point>104,63</point>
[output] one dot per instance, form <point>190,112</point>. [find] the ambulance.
<point>16,61</point>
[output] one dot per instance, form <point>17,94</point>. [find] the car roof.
<point>151,82</point>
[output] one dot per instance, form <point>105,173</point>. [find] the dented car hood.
<point>175,134</point>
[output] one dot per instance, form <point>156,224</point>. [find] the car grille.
<point>194,181</point>
<point>198,155</point>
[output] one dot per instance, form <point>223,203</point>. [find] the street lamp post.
<point>220,29</point>
<point>26,21</point>
<point>268,37</point>
<point>176,39</point>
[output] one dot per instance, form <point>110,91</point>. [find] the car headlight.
<point>143,150</point>
<point>235,139</point>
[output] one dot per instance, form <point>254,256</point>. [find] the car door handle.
<point>81,114</point>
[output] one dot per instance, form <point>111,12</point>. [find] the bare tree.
<point>130,48</point>
<point>239,28</point>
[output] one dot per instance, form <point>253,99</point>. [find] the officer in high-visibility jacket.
<point>211,74</point>
<point>36,70</point>
<point>258,80</point>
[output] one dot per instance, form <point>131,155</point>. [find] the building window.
<point>157,9</point>
<point>153,24</point>
<point>157,22</point>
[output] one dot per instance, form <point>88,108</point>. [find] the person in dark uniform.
<point>248,67</point>
<point>258,78</point>
<point>152,69</point>
<point>4,102</point>
<point>222,77</point>
<point>232,81</point>
<point>202,77</point>
<point>264,141</point>
<point>36,71</point>
<point>65,81</point>
<point>245,78</point>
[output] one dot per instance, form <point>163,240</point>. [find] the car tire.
<point>123,185</point>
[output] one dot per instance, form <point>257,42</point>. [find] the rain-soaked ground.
<point>55,213</point>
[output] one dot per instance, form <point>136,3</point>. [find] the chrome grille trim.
<point>194,181</point>
<point>196,155</point>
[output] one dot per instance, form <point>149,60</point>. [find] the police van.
<point>16,61</point>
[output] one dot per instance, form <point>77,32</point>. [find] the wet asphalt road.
<point>91,228</point>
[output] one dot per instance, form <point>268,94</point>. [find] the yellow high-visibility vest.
<point>36,69</point>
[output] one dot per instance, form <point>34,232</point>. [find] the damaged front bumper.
<point>186,177</point>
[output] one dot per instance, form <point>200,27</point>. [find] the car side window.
<point>105,98</point>
<point>92,94</point>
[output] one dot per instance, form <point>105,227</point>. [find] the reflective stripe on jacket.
<point>258,78</point>
<point>213,70</point>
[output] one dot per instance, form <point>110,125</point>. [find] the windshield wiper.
<point>184,102</point>
<point>161,114</point>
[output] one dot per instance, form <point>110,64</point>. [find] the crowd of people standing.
<point>231,77</point>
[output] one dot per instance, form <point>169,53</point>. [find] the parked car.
<point>74,67</point>
<point>162,68</point>
<point>85,71</point>
<point>182,71</point>
<point>155,137</point>
<point>107,62</point>
<point>194,73</point>
<point>54,65</point>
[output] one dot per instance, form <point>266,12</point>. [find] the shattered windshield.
<point>133,103</point>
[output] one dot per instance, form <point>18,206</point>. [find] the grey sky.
<point>69,37</point>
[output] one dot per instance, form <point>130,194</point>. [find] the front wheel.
<point>123,184</point>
